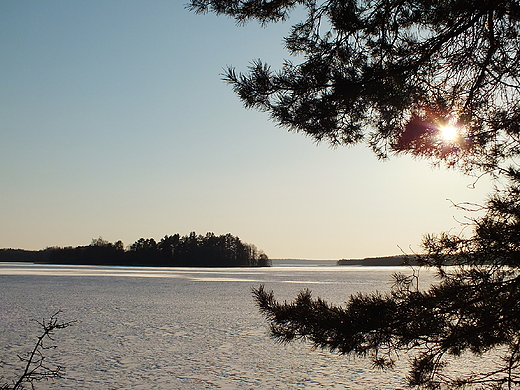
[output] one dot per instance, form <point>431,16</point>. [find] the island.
<point>191,250</point>
<point>380,261</point>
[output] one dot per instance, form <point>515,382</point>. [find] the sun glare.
<point>448,133</point>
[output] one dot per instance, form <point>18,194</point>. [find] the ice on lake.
<point>179,328</point>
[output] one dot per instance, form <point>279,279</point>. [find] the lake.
<point>180,328</point>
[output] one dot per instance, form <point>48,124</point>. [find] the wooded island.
<point>171,251</point>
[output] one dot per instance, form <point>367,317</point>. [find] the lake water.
<point>179,328</point>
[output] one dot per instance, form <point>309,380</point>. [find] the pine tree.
<point>435,79</point>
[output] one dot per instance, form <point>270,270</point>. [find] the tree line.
<point>191,250</point>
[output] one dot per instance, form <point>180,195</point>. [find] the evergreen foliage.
<point>394,74</point>
<point>172,251</point>
<point>198,251</point>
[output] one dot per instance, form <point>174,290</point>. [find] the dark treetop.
<point>171,251</point>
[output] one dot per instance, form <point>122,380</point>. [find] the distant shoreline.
<point>380,261</point>
<point>390,261</point>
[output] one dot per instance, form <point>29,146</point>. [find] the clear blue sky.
<point>114,122</point>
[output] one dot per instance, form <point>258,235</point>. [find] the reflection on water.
<point>179,328</point>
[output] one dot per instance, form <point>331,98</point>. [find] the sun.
<point>448,132</point>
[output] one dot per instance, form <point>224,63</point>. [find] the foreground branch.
<point>35,368</point>
<point>468,312</point>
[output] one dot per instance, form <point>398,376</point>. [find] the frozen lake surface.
<point>179,328</point>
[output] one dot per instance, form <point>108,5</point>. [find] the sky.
<point>115,123</point>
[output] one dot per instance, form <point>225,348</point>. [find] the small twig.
<point>35,369</point>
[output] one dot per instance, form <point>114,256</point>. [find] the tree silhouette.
<point>395,74</point>
<point>35,368</point>
<point>192,250</point>
<point>391,73</point>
